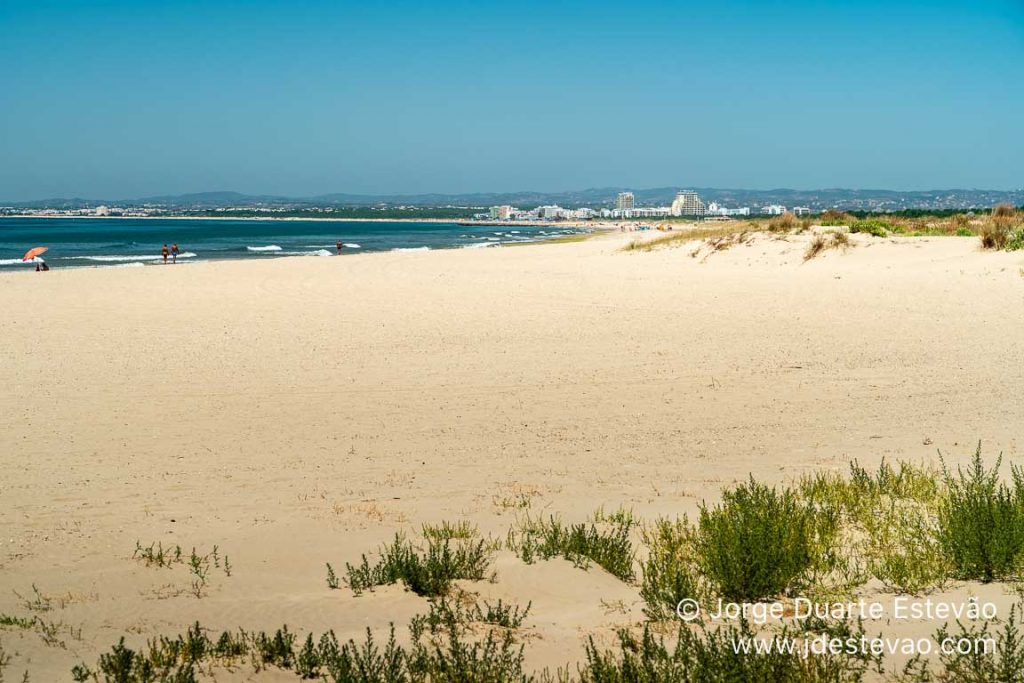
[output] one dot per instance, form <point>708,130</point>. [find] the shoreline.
<point>145,260</point>
<point>453,221</point>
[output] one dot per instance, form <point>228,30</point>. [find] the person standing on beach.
<point>164,252</point>
<point>174,253</point>
<point>339,245</point>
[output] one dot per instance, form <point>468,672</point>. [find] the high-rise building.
<point>501,213</point>
<point>624,202</point>
<point>687,204</point>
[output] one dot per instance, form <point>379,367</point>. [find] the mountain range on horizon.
<point>841,198</point>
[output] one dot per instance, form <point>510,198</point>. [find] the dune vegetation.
<point>912,528</point>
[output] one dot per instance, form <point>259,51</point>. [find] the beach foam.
<point>411,249</point>
<point>318,252</point>
<point>125,259</point>
<point>18,261</point>
<point>269,247</point>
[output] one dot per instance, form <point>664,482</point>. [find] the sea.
<point>136,242</point>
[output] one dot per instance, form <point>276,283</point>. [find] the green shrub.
<point>430,574</point>
<point>875,228</point>
<point>984,663</point>
<point>890,520</point>
<point>440,652</point>
<point>833,218</point>
<point>703,655</point>
<point>902,548</point>
<point>981,521</point>
<point>669,572</point>
<point>760,542</point>
<point>608,546</point>
<point>1015,241</point>
<point>444,613</point>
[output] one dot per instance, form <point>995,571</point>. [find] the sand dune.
<point>300,411</point>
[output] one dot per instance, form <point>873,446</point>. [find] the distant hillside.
<point>878,200</point>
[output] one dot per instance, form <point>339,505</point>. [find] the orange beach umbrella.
<point>33,252</point>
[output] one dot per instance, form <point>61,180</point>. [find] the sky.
<point>117,100</point>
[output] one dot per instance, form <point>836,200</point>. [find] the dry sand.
<point>300,411</point>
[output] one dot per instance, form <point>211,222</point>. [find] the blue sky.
<point>118,100</point>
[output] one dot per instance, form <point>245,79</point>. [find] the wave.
<point>480,245</point>
<point>269,247</point>
<point>331,246</point>
<point>318,252</point>
<point>133,264</point>
<point>18,261</point>
<point>411,249</point>
<point>125,259</point>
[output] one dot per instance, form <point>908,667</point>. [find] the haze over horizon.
<point>273,98</point>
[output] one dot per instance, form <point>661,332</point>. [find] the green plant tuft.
<point>981,521</point>
<point>427,574</point>
<point>607,546</point>
<point>761,542</point>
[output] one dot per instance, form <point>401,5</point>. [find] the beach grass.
<point>686,235</point>
<point>711,655</point>
<point>428,573</point>
<point>670,572</point>
<point>787,222</point>
<point>608,545</point>
<point>441,650</point>
<point>913,527</point>
<point>821,243</point>
<point>199,564</point>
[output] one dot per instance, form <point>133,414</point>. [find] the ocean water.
<point>127,242</point>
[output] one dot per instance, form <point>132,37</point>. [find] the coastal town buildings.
<point>687,204</point>
<point>773,210</point>
<point>716,209</point>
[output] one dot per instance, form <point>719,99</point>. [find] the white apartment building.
<point>802,210</point>
<point>551,212</point>
<point>688,204</point>
<point>773,210</point>
<point>624,202</point>
<point>716,209</point>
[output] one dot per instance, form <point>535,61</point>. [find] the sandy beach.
<point>298,412</point>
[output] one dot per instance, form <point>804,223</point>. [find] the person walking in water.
<point>174,253</point>
<point>339,245</point>
<point>164,252</point>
